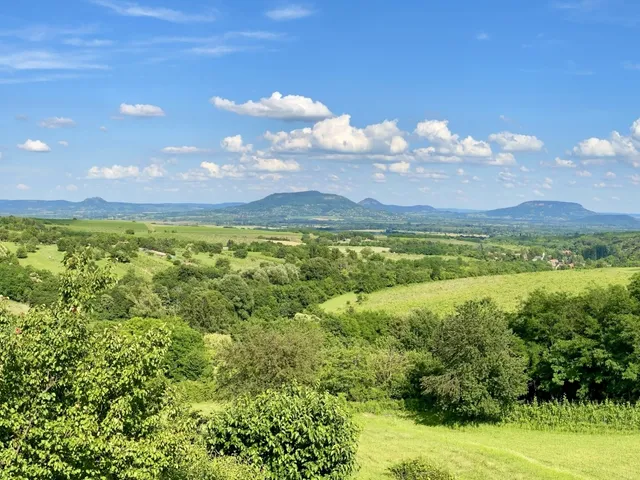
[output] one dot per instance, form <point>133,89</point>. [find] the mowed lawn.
<point>495,452</point>
<point>507,290</point>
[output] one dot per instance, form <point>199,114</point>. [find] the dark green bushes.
<point>295,434</point>
<point>419,469</point>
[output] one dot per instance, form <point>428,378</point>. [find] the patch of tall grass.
<point>576,417</point>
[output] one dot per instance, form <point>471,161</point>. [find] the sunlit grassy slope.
<point>495,452</point>
<point>507,290</point>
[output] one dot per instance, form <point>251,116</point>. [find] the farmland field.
<point>188,232</point>
<point>495,452</point>
<point>507,290</point>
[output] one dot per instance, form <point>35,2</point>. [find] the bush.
<point>479,373</point>
<point>21,252</point>
<point>269,355</point>
<point>419,469</point>
<point>241,253</point>
<point>295,434</point>
<point>208,311</point>
<point>186,357</point>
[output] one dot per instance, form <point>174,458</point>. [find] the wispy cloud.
<point>289,12</point>
<point>482,36</point>
<point>40,33</point>
<point>220,50</point>
<point>80,42</point>
<point>40,79</point>
<point>130,9</point>
<point>631,66</point>
<point>47,60</point>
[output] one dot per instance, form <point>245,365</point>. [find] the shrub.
<point>269,355</point>
<point>21,252</point>
<point>186,357</point>
<point>208,310</point>
<point>241,253</point>
<point>295,434</point>
<point>419,469</point>
<point>479,374</point>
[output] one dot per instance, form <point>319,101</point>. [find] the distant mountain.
<point>542,211</point>
<point>310,204</point>
<point>97,207</point>
<point>373,204</point>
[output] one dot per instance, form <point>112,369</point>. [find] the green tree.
<point>295,434</point>
<point>208,311</point>
<point>241,253</point>
<point>479,372</point>
<point>269,355</point>
<point>21,252</point>
<point>236,290</point>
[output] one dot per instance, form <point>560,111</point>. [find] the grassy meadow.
<point>507,290</point>
<point>206,233</point>
<point>494,452</point>
<point>16,307</point>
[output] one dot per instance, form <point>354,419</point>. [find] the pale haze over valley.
<point>452,104</point>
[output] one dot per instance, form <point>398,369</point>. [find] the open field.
<point>507,290</point>
<point>15,307</point>
<point>188,232</point>
<point>495,452</point>
<point>253,260</point>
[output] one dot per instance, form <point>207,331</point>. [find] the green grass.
<point>207,233</point>
<point>253,260</point>
<point>507,290</point>
<point>495,452</point>
<point>16,307</point>
<point>46,258</point>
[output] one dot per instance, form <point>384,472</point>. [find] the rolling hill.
<point>97,207</point>
<point>373,204</point>
<point>310,204</point>
<point>542,210</point>
<point>567,212</point>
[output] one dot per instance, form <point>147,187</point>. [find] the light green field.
<point>16,308</point>
<point>253,260</point>
<point>188,232</point>
<point>46,258</point>
<point>507,290</point>
<point>384,251</point>
<point>495,452</point>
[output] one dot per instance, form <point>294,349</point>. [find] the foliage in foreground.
<point>480,374</point>
<point>295,434</point>
<point>68,397</point>
<point>419,469</point>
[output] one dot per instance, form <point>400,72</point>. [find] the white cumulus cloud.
<point>114,172</point>
<point>378,177</point>
<point>57,122</point>
<point>141,110</point>
<point>563,163</point>
<point>235,144</point>
<point>287,107</point>
<point>22,186</point>
<point>183,150</point>
<point>449,144</point>
<point>515,142</point>
<point>338,135</point>
<point>34,146</point>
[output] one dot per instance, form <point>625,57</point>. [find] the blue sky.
<point>451,103</point>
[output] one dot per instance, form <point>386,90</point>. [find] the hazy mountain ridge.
<point>312,206</point>
<point>373,204</point>
<point>97,207</point>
